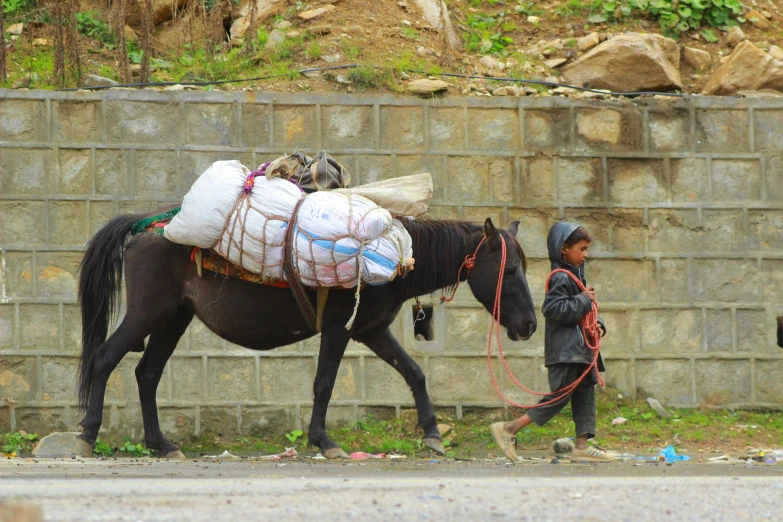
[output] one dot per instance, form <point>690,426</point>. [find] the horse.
<point>164,291</point>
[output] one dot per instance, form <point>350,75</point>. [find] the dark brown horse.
<point>164,292</point>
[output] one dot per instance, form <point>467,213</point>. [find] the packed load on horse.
<point>340,236</point>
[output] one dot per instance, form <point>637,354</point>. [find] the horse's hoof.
<point>335,453</point>
<point>85,447</point>
<point>176,454</point>
<point>434,444</point>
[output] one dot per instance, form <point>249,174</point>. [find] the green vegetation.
<point>18,442</point>
<point>89,25</point>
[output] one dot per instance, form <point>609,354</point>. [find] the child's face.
<point>577,253</point>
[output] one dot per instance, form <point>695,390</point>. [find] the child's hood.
<point>555,241</point>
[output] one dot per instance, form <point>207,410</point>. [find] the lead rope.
<point>589,325</point>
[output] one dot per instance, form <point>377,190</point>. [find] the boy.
<point>566,354</point>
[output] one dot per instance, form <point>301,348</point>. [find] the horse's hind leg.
<point>161,345</point>
<point>127,337</point>
<point>385,346</point>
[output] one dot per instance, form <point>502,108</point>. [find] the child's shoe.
<point>592,454</point>
<point>505,440</point>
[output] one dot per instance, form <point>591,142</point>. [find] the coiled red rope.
<point>589,325</point>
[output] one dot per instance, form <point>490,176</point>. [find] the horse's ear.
<point>513,228</point>
<point>490,232</point>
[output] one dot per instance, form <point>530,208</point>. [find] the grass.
<point>409,33</point>
<point>314,51</point>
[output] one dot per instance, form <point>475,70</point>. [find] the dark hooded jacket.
<point>564,306</point>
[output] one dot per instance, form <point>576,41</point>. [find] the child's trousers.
<point>582,398</point>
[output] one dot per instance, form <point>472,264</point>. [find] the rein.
<point>589,325</point>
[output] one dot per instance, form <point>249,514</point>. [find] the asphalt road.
<point>150,490</point>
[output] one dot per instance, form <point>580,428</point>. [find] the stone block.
<point>22,120</point>
<point>669,381</point>
<point>493,129</point>
<point>524,371</point>
<point>231,379</point>
<point>538,181</point>
<point>602,130</point>
<point>764,228</point>
<point>75,171</point>
<point>774,172</point>
<point>60,375</point>
<point>772,280</point>
<point>752,331</point>
<point>255,125</point>
<point>111,172</point>
<point>769,385</point>
<point>193,165</point>
<point>670,131</point>
<point>673,280</point>
<point>122,382</point>
<point>27,172</point>
<point>370,169</point>
<point>384,384</point>
<point>6,326</point>
<point>724,231</point>
<point>461,379</point>
<point>348,385</point>
<point>619,375</point>
<point>295,127</point>
<point>719,331</point>
<point>202,339</point>
<point>723,382</point>
<point>402,128</point>
<point>622,333</point>
<point>40,420</point>
<point>736,180</point>
<point>68,223</point>
<point>219,420</point>
<point>690,180</point>
<point>468,179</point>
<point>674,231</point>
<point>447,128</point>
<point>5,419</point>
<point>721,131</point>
<point>339,417</point>
<point>621,280</point>
<point>157,174</point>
<point>479,215</point>
<point>211,124</point>
<point>57,274</point>
<point>537,272</point>
<point>501,172</point>
<point>534,225</point>
<point>637,181</point>
<point>417,164</point>
<point>77,121</point>
<point>547,131</point>
<point>72,329</point>
<point>677,332</point>
<point>40,327</point>
<point>466,329</point>
<point>187,379</point>
<point>18,380</point>
<point>579,180</point>
<point>178,424</point>
<point>613,230</point>
<point>131,122</point>
<point>727,280</point>
<point>443,212</point>
<point>287,379</point>
<point>767,130</point>
<point>347,127</point>
<point>21,223</point>
<point>100,213</point>
<point>266,421</point>
<point>19,274</point>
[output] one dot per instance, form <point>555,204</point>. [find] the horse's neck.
<point>439,254</point>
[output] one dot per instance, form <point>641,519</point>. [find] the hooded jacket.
<point>565,305</point>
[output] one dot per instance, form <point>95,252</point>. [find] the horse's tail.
<point>100,282</point>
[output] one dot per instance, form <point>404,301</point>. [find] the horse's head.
<point>517,312</point>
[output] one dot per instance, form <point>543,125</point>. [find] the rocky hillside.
<point>691,46</point>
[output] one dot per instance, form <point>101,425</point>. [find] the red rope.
<point>589,325</point>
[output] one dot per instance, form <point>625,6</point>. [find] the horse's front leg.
<point>387,348</point>
<point>333,342</point>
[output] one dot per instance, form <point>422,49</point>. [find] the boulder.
<point>555,62</point>
<point>242,15</point>
<point>629,62</point>
<point>747,69</point>
<point>130,34</point>
<point>427,86</point>
<point>162,11</point>
<point>283,24</point>
<point>62,444</point>
<point>436,14</point>
<point>696,58</point>
<point>93,80</point>
<point>491,64</point>
<point>276,37</point>
<point>588,42</point>
<point>315,13</point>
<point>758,19</point>
<point>15,29</point>
<point>775,52</point>
<point>734,36</point>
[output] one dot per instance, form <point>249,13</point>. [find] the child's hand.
<point>590,293</point>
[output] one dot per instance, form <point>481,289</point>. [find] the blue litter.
<point>669,454</point>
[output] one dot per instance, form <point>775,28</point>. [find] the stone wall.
<point>684,196</point>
